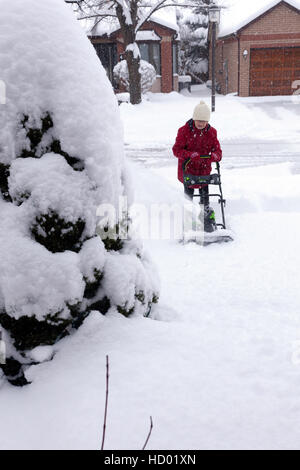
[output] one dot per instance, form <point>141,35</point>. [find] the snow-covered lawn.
<point>217,365</point>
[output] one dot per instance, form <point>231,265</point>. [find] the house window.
<point>175,57</point>
<point>150,51</point>
<point>107,53</point>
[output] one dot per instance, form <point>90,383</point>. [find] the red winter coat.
<point>190,139</point>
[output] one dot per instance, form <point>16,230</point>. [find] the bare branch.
<point>102,8</point>
<point>96,16</point>
<point>149,434</point>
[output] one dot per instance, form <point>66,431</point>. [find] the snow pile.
<point>61,157</point>
<point>147,71</point>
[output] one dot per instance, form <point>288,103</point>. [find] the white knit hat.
<point>201,112</point>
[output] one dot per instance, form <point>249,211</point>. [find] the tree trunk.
<point>133,63</point>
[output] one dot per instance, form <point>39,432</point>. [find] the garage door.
<point>272,71</point>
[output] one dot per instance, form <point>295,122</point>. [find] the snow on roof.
<point>239,13</point>
<point>106,26</point>
<point>147,35</point>
<point>165,17</point>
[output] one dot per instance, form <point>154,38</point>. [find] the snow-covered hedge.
<point>147,71</point>
<point>61,157</point>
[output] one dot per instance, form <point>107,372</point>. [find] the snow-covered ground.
<point>217,365</point>
<point>252,130</point>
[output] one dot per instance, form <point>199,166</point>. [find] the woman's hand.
<point>215,157</point>
<point>194,155</point>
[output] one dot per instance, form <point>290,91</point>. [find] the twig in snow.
<point>106,402</point>
<point>148,437</point>
<point>106,406</point>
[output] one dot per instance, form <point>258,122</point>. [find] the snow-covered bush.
<point>61,157</point>
<point>147,71</point>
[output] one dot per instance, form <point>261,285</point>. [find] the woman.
<point>196,148</point>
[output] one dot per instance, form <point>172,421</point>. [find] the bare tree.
<point>131,15</point>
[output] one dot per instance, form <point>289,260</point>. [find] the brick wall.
<point>227,66</point>
<point>282,19</point>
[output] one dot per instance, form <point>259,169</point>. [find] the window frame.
<point>151,60</point>
<point>175,54</point>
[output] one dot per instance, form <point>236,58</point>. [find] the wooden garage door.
<point>272,71</point>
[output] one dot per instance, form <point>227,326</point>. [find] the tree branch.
<point>128,6</point>
<point>96,16</point>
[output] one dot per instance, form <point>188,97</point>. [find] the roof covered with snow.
<point>239,13</point>
<point>107,26</point>
<point>147,35</point>
<point>166,17</point>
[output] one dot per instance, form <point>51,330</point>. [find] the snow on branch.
<point>126,8</point>
<point>135,12</point>
<point>135,50</point>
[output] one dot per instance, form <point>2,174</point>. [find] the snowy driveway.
<point>252,131</point>
<point>236,154</point>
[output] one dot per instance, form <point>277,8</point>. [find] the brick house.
<point>260,55</point>
<point>158,44</point>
